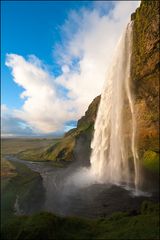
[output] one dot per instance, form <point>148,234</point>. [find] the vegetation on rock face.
<point>90,114</point>
<point>145,81</point>
<point>45,226</point>
<point>22,187</point>
<point>151,161</point>
<point>64,150</point>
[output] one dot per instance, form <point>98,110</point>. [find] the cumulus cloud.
<point>89,38</point>
<point>43,108</point>
<point>12,126</point>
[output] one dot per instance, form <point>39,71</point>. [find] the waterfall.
<point>114,157</point>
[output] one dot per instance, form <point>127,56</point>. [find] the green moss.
<point>152,143</point>
<point>63,151</point>
<point>151,161</point>
<point>45,226</point>
<point>148,207</point>
<point>145,80</point>
<point>7,168</point>
<point>117,216</point>
<point>35,154</point>
<point>24,185</point>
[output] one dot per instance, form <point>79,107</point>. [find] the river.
<point>64,198</point>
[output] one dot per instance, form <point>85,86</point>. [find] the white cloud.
<point>43,109</point>
<point>12,126</point>
<point>89,39</point>
<point>65,69</point>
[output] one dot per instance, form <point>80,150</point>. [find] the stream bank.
<point>96,200</point>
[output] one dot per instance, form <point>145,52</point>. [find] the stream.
<point>64,198</point>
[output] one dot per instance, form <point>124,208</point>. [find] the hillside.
<point>75,141</point>
<point>120,225</point>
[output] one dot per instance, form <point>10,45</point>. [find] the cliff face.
<point>145,81</point>
<point>145,84</point>
<point>75,145</point>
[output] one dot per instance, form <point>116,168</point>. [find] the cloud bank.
<point>89,38</point>
<point>12,126</point>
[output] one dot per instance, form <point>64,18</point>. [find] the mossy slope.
<point>64,151</point>
<point>22,186</point>
<point>45,226</point>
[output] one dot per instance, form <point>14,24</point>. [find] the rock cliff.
<point>75,145</point>
<point>145,81</point>
<point>145,84</point>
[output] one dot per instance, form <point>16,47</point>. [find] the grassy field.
<point>17,146</point>
<point>19,180</point>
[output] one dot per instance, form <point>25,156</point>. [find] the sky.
<point>54,61</point>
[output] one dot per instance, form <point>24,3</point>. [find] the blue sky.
<point>31,27</point>
<point>53,49</point>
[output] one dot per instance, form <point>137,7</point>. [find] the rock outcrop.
<point>145,81</point>
<point>75,145</point>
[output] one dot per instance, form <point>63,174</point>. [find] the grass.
<point>24,185</point>
<point>27,185</point>
<point>151,161</point>
<point>45,226</point>
<point>60,151</point>
<point>26,148</point>
<point>63,151</point>
<point>17,179</point>
<point>16,145</point>
<point>7,169</point>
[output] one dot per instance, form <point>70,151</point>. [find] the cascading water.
<point>114,157</point>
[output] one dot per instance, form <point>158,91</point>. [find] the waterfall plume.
<point>114,157</point>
